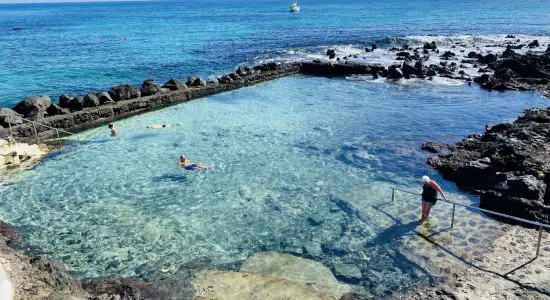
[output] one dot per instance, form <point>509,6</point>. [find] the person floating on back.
<point>429,196</point>
<point>113,129</point>
<point>189,165</point>
<point>159,126</point>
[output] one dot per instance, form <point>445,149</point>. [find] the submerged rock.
<point>348,272</point>
<point>301,270</point>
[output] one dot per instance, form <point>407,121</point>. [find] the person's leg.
<point>428,209</point>
<point>423,212</point>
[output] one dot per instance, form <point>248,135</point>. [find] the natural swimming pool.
<point>281,153</point>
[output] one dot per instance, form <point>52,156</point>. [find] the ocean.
<point>282,153</point>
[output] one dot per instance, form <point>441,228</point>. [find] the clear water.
<point>281,152</point>
<point>81,47</point>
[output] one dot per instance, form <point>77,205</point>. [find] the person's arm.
<point>438,188</point>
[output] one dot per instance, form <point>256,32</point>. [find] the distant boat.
<point>294,7</point>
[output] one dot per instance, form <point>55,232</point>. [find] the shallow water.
<point>280,152</point>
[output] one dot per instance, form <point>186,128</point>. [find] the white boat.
<point>294,6</point>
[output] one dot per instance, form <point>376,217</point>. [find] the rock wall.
<point>80,113</point>
<point>509,165</point>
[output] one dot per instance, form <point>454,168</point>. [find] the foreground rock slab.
<point>305,271</point>
<point>248,286</point>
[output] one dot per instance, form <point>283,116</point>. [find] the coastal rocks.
<point>331,53</point>
<point>124,288</point>
<point>55,110</point>
<point>91,100</point>
<point>533,44</point>
<point>430,46</point>
<point>20,155</point>
<point>509,166</point>
<point>174,85</point>
<point>124,92</point>
<point>195,81</point>
<point>76,104</point>
<point>9,116</point>
<point>149,87</point>
<point>105,98</point>
<point>64,101</point>
<point>8,233</point>
<point>33,107</point>
<point>394,72</point>
<point>339,69</point>
<point>301,270</point>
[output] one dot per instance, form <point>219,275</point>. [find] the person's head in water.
<point>425,179</point>
<point>182,158</point>
<point>111,125</point>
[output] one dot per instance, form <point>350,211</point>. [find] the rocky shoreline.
<point>506,70</point>
<point>509,165</point>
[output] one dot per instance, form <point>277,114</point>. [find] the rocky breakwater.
<point>76,113</point>
<point>514,71</point>
<point>509,165</point>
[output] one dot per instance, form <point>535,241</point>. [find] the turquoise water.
<point>82,47</point>
<point>281,152</point>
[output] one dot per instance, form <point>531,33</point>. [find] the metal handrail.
<point>57,130</point>
<point>538,224</point>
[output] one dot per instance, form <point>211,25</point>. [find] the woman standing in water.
<point>429,196</point>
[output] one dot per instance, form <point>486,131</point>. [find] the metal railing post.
<point>538,242</point>
<point>58,138</point>
<point>392,194</point>
<point>35,133</point>
<point>9,124</point>
<point>453,216</point>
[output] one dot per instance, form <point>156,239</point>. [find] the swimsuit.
<point>429,194</point>
<point>190,167</point>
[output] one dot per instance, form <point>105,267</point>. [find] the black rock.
<point>195,81</point>
<point>33,107</point>
<point>430,46</point>
<point>174,84</point>
<point>76,104</point>
<point>105,98</point>
<point>510,36</point>
<point>91,100</point>
<point>448,55</point>
<point>55,110</point>
<point>394,72</point>
<point>487,59</point>
<point>472,54</point>
<point>9,116</point>
<point>149,87</point>
<point>533,44</point>
<point>124,92</point>
<point>64,101</point>
<point>331,52</point>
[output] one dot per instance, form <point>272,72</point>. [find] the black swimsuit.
<point>429,194</point>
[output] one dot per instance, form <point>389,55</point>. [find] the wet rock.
<point>124,92</point>
<point>533,44</point>
<point>430,46</point>
<point>487,59</point>
<point>246,286</point>
<point>9,234</point>
<point>91,100</point>
<point>315,220</point>
<point>57,275</point>
<point>510,36</point>
<point>174,84</point>
<point>437,147</point>
<point>347,272</point>
<point>313,249</point>
<point>243,71</point>
<point>105,98</point>
<point>195,81</point>
<point>125,288</point>
<point>8,115</point>
<point>55,110</point>
<point>76,104</point>
<point>394,73</point>
<point>447,55</point>
<point>149,87</point>
<point>301,270</point>
<point>33,107</point>
<point>64,101</point>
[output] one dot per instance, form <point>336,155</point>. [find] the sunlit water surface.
<point>280,152</point>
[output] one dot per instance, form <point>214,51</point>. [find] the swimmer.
<point>159,126</point>
<point>189,165</point>
<point>113,129</point>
